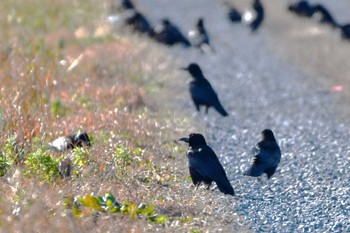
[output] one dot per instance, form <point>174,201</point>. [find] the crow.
<point>169,34</point>
<point>139,23</point>
<point>324,16</point>
<point>233,14</point>
<point>302,8</point>
<point>202,92</point>
<point>259,9</point>
<point>204,165</point>
<point>70,142</point>
<point>267,155</point>
<point>199,36</point>
<point>345,31</point>
<point>127,5</point>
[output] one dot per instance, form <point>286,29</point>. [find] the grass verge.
<point>62,71</point>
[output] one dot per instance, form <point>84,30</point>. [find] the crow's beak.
<point>184,68</point>
<point>185,140</point>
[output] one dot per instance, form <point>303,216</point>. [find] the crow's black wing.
<point>197,178</point>
<point>265,160</point>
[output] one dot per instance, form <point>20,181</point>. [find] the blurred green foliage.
<point>108,204</point>
<point>10,154</point>
<point>42,165</point>
<point>58,109</point>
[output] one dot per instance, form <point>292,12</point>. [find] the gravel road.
<point>262,89</point>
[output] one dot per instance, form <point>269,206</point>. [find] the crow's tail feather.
<point>221,110</point>
<point>225,187</point>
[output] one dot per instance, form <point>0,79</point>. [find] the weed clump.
<point>93,205</point>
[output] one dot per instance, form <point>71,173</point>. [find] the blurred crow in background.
<point>199,36</point>
<point>127,5</point>
<point>139,23</point>
<point>259,10</point>
<point>202,92</point>
<point>233,14</point>
<point>169,34</point>
<point>323,15</point>
<point>119,6</point>
<point>267,155</point>
<point>345,31</point>
<point>204,165</point>
<point>302,8</point>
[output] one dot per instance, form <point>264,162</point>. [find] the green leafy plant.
<point>125,157</point>
<point>80,159</point>
<point>11,150</point>
<point>42,165</point>
<point>108,204</point>
<point>10,154</point>
<point>4,164</point>
<point>58,109</point>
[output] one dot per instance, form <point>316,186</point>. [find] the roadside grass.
<point>62,71</point>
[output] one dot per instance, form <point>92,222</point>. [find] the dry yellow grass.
<point>62,71</point>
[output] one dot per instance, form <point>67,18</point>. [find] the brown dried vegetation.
<point>57,78</point>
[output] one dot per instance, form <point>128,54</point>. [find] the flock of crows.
<point>204,165</point>
<point>166,32</point>
<point>305,9</point>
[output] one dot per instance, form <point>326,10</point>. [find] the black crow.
<point>267,155</point>
<point>169,34</point>
<point>345,31</point>
<point>127,5</point>
<point>324,16</point>
<point>199,36</point>
<point>75,140</point>
<point>202,92</point>
<point>302,8</point>
<point>139,23</point>
<point>234,15</point>
<point>119,6</point>
<point>259,10</point>
<point>204,165</point>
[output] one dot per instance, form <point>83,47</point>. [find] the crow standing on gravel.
<point>302,8</point>
<point>199,36</point>
<point>267,155</point>
<point>202,92</point>
<point>127,5</point>
<point>233,14</point>
<point>324,16</point>
<point>345,31</point>
<point>259,10</point>
<point>139,23</point>
<point>169,34</point>
<point>204,165</point>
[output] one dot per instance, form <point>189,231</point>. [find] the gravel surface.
<point>310,189</point>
